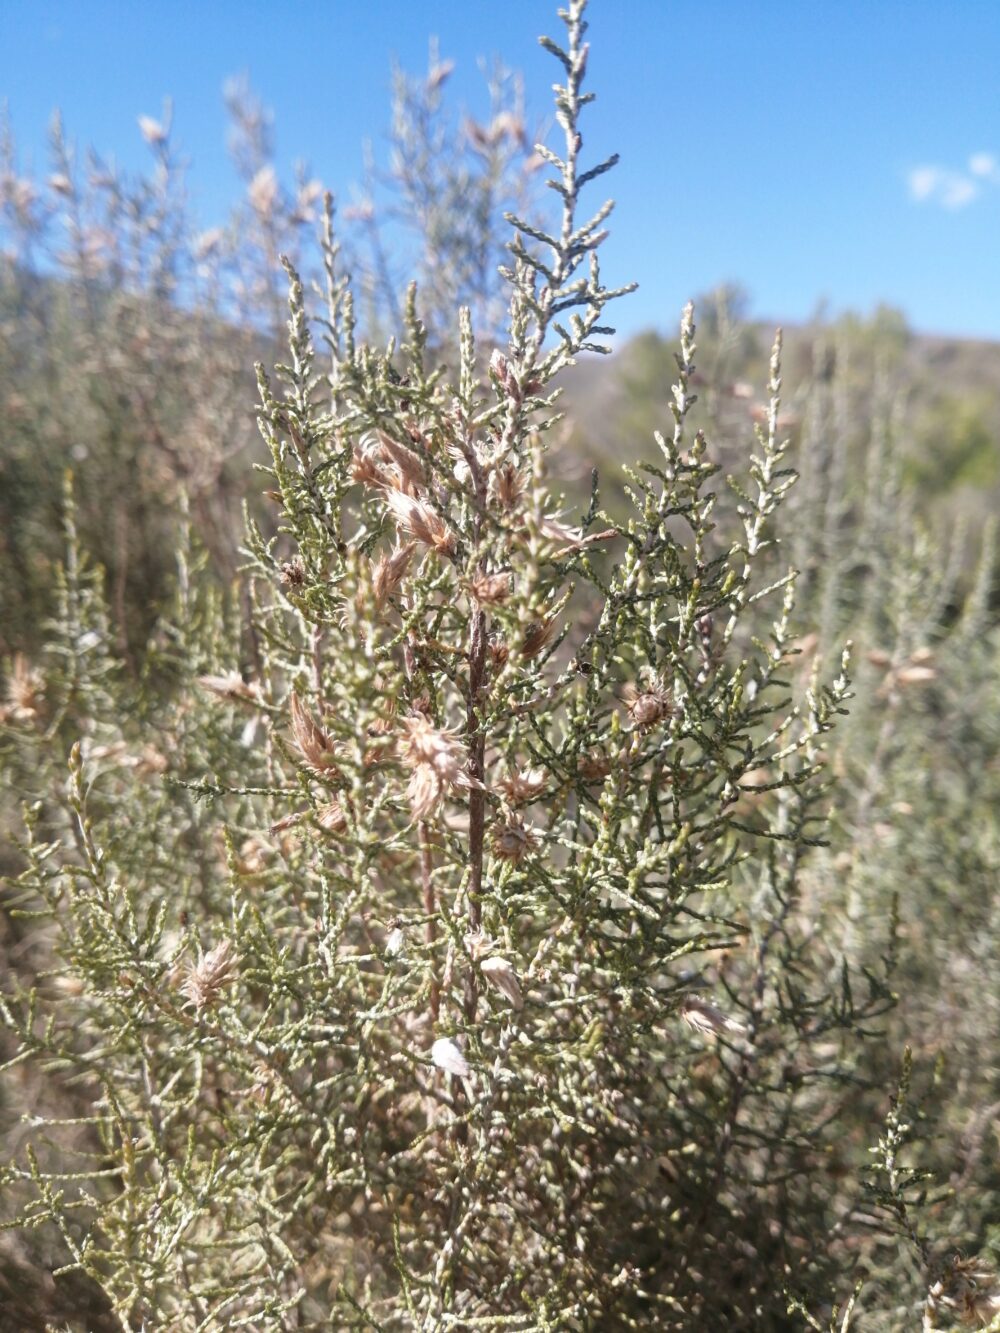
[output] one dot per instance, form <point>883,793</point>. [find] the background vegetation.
<point>257,1069</point>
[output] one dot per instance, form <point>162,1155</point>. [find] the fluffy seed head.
<point>152,131</point>
<point>365,469</point>
<point>425,791</point>
<point>647,704</point>
<point>263,191</point>
<point>409,468</point>
<point>437,759</point>
<point>231,686</point>
<point>499,973</point>
<point>292,573</point>
<point>448,1057</point>
<point>25,689</point>
<point>538,636</point>
<point>593,767</point>
<point>513,841</point>
<point>418,520</point>
<point>970,1291</point>
<point>206,978</point>
<point>423,743</point>
<point>315,746</point>
<point>707,1018</point>
<point>388,572</point>
<point>525,784</point>
<point>490,589</point>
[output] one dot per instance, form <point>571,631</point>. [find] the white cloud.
<point>953,189</point>
<point>956,191</point>
<point>923,181</point>
<point>985,165</point>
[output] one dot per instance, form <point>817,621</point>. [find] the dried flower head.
<point>25,691</point>
<point>524,784</point>
<point>490,589</point>
<point>263,1083</point>
<point>364,467</point>
<point>292,573</point>
<point>289,821</point>
<point>314,744</point>
<point>498,650</point>
<point>263,191</point>
<point>506,486</point>
<point>513,841</point>
<point>425,791</point>
<point>152,131</point>
<point>499,973</point>
<point>572,539</point>
<point>538,636</point>
<point>437,759</point>
<point>331,817</point>
<point>420,521</point>
<point>648,703</point>
<point>388,572</point>
<point>438,74</point>
<point>594,766</point>
<point>504,372</point>
<point>205,979</point>
<point>231,686</point>
<point>969,1290</point>
<point>448,1057</point>
<point>408,467</point>
<point>707,1018</point>
<point>423,743</point>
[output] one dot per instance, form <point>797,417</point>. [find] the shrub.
<point>426,937</point>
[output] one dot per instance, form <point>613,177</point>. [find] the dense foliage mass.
<point>481,895</point>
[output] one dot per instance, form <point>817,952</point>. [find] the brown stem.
<point>120,588</point>
<point>430,907</point>
<point>477,795</point>
<point>477,750</point>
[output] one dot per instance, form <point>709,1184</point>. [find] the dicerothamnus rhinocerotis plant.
<point>461,975</point>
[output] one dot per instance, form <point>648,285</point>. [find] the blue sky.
<point>812,151</point>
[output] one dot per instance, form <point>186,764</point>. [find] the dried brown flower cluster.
<point>205,980</point>
<point>594,766</point>
<point>420,520</point>
<point>490,589</point>
<point>25,692</point>
<point>389,570</point>
<point>707,1018</point>
<point>968,1291</point>
<point>648,703</point>
<point>315,745</point>
<point>292,573</point>
<point>513,840</point>
<point>523,785</point>
<point>231,687</point>
<point>437,760</point>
